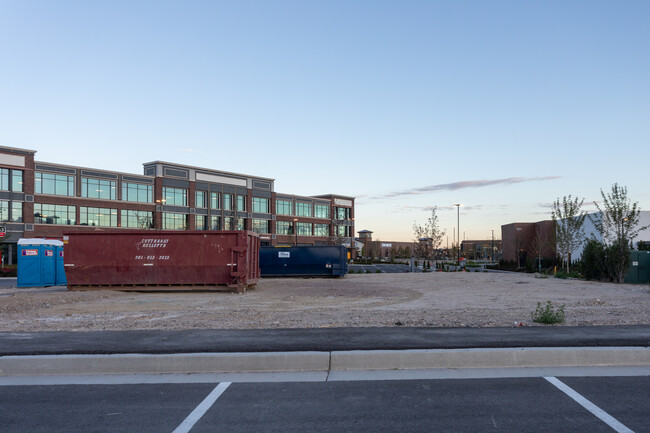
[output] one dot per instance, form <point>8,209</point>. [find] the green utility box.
<point>639,272</point>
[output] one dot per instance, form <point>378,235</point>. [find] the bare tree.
<point>618,224</point>
<point>428,237</point>
<point>569,222</point>
<point>541,245</point>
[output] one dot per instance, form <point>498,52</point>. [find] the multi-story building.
<point>43,199</point>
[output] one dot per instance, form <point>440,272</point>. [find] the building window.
<point>261,226</point>
<point>174,221</point>
<point>137,192</point>
<point>54,184</point>
<point>200,222</point>
<point>241,203</point>
<point>54,214</point>
<point>17,180</point>
<point>175,196</point>
<point>137,219</point>
<point>304,229</point>
<point>4,210</point>
<point>4,179</point>
<point>343,231</point>
<point>95,216</point>
<point>199,199</point>
<point>227,202</point>
<point>215,222</point>
<point>303,209</point>
<point>322,211</point>
<point>228,223</point>
<point>342,213</point>
<point>96,188</point>
<point>16,211</point>
<point>215,203</point>
<point>241,224</point>
<point>283,207</point>
<point>260,205</point>
<point>321,230</point>
<point>284,228</point>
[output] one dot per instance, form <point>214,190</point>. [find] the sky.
<point>502,106</point>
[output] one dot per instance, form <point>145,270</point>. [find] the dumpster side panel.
<point>308,260</point>
<point>157,258</point>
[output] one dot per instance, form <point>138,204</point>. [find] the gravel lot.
<point>429,299</point>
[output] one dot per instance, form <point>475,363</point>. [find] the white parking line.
<point>595,410</point>
<point>202,408</point>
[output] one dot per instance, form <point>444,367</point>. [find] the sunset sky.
<point>502,106</point>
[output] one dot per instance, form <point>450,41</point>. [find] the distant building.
<point>384,248</point>
<point>487,249</point>
<point>521,241</point>
<point>591,232</point>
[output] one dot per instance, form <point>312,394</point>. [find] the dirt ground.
<point>429,299</point>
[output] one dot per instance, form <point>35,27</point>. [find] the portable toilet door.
<point>60,267</point>
<point>30,273</point>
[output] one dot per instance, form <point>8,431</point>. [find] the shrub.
<point>548,314</point>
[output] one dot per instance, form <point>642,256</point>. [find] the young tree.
<point>431,232</point>
<point>569,222</point>
<point>617,222</point>
<point>541,245</point>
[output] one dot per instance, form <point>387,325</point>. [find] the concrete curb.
<point>198,363</point>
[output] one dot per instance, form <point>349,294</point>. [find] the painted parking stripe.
<point>595,410</point>
<point>202,408</point>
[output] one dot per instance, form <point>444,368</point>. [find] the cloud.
<point>466,184</point>
<point>187,150</point>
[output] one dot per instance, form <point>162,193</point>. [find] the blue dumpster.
<point>37,262</point>
<point>304,261</point>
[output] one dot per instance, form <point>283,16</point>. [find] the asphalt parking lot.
<point>475,405</point>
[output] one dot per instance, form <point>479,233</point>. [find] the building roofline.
<point>56,164</point>
<point>205,169</point>
<point>14,149</point>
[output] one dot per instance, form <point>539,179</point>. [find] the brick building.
<point>43,199</point>
<point>521,241</point>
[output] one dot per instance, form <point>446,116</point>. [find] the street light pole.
<point>458,223</point>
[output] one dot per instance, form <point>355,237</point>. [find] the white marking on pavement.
<point>202,408</point>
<point>595,410</point>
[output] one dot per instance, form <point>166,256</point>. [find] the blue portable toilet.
<point>60,267</point>
<point>37,262</point>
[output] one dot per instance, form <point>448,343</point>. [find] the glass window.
<point>322,211</point>
<point>17,180</point>
<point>175,196</point>
<point>283,207</point>
<point>303,209</point>
<point>215,203</point>
<point>54,214</point>
<point>199,200</point>
<point>241,203</point>
<point>343,231</point>
<point>321,230</point>
<point>55,184</point>
<point>200,222</point>
<point>260,205</point>
<point>137,219</point>
<point>228,223</point>
<point>227,201</point>
<point>137,192</point>
<point>4,179</point>
<point>261,226</point>
<point>342,213</point>
<point>98,188</point>
<point>284,227</point>
<point>241,224</point>
<point>215,222</point>
<point>4,210</point>
<point>304,229</point>
<point>16,211</point>
<point>95,216</point>
<point>174,221</point>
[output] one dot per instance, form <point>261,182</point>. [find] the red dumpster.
<point>161,260</point>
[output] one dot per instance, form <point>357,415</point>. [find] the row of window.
<point>57,184</point>
<point>11,180</point>
<point>105,217</point>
